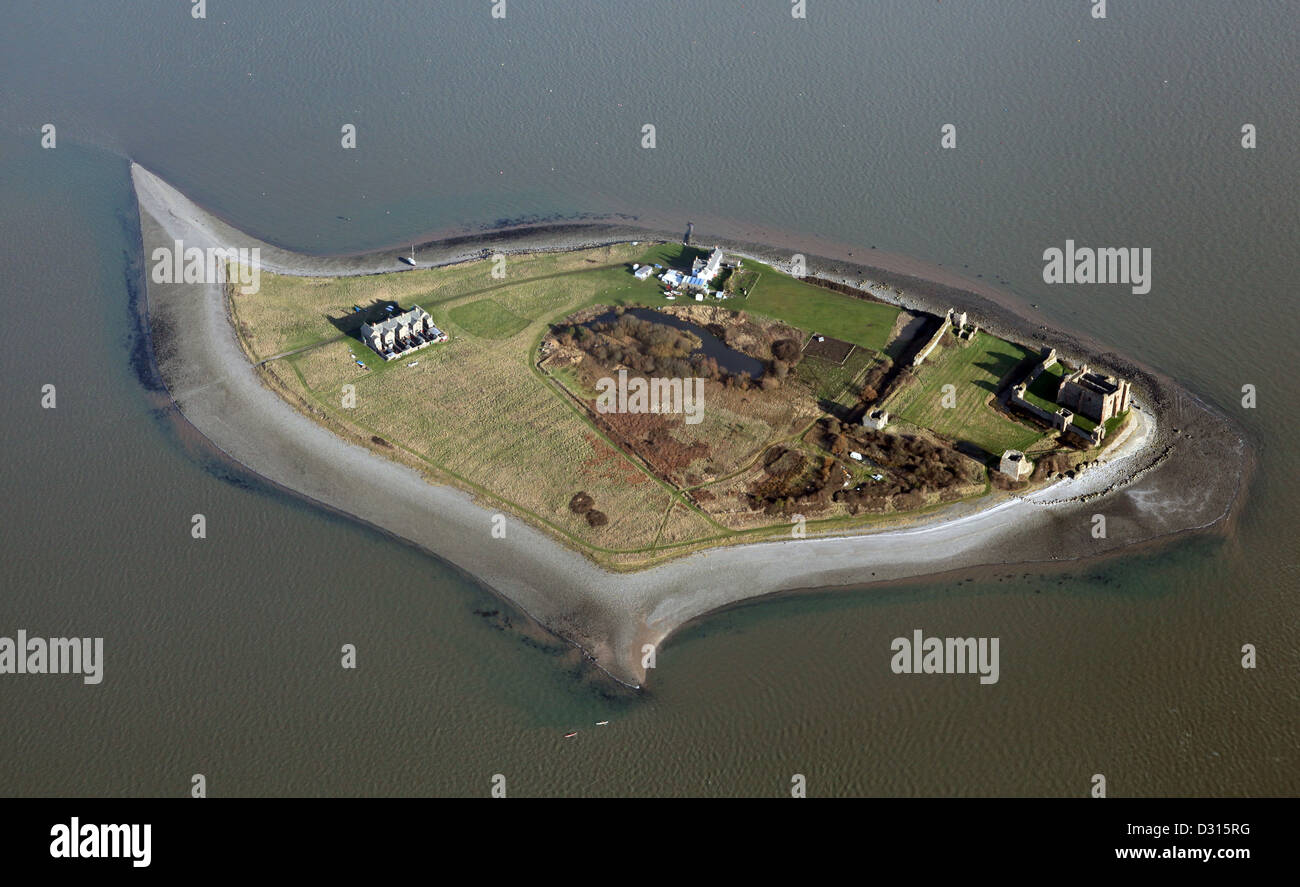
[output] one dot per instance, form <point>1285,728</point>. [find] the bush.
<point>581,503</point>
<point>1002,482</point>
<point>909,501</point>
<point>597,518</point>
<point>1054,463</point>
<point>786,349</point>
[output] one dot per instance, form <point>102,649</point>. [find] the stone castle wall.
<point>933,343</point>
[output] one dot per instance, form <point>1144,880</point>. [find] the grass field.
<point>295,312</point>
<point>819,310</point>
<point>975,371</point>
<point>487,319</point>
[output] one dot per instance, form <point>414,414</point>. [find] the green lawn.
<point>1042,393</point>
<point>486,319</point>
<point>819,310</point>
<point>1083,422</point>
<point>975,371</point>
<point>672,255</point>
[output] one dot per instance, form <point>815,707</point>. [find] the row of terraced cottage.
<point>402,334</point>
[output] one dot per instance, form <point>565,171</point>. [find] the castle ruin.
<point>962,330</point>
<point>1015,465</point>
<point>1094,395</point>
<point>1082,392</point>
<point>876,420</point>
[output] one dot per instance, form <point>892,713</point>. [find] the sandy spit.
<point>1155,483</point>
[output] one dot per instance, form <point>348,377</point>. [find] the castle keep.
<point>1093,395</point>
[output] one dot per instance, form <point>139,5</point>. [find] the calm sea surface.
<point>222,656</point>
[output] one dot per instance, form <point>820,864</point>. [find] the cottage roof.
<point>398,322</point>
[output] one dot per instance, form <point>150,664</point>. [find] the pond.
<point>729,359</point>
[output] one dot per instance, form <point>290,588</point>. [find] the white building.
<point>708,269</point>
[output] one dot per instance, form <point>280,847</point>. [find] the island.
<point>620,431</point>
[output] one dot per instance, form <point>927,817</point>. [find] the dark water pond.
<point>728,358</point>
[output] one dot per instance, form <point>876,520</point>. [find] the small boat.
<point>571,735</point>
<point>601,723</point>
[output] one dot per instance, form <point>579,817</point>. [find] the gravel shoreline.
<point>1156,483</point>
